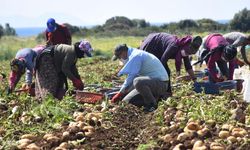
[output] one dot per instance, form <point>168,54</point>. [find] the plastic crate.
<point>207,87</point>
<point>227,85</point>
<point>88,97</point>
<point>214,88</point>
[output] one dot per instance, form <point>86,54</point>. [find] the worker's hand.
<point>78,84</point>
<point>117,97</point>
<point>25,87</point>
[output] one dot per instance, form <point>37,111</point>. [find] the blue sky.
<point>34,13</point>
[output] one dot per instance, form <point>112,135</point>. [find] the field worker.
<point>146,75</point>
<point>216,50</point>
<point>24,60</point>
<point>56,64</point>
<point>56,33</point>
<point>238,39</point>
<point>165,46</point>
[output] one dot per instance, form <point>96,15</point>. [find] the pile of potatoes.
<point>27,142</point>
<point>83,126</point>
<point>179,133</point>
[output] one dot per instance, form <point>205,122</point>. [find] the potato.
<point>33,146</point>
<point>65,135</point>
<point>189,132</point>
<point>198,143</point>
<point>89,130</point>
<point>232,139</point>
<point>79,118</point>
<point>24,141</point>
<point>64,145</point>
<point>29,136</point>
<point>53,139</point>
<point>224,134</point>
<point>216,146</point>
<point>47,136</point>
<point>182,136</point>
<point>22,145</point>
<point>179,147</point>
<point>193,126</point>
<point>239,132</point>
<point>227,127</point>
<point>164,130</point>
<point>167,138</point>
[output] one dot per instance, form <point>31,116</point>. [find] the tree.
<point>9,30</point>
<point>207,24</point>
<point>140,23</point>
<point>118,22</point>
<point>188,23</point>
<point>241,21</point>
<point>1,31</point>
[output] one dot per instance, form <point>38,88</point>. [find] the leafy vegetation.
<point>179,120</point>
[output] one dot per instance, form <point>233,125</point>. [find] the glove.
<point>117,97</point>
<point>77,83</point>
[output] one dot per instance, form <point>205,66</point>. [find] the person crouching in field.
<point>23,61</point>
<point>166,46</point>
<point>216,50</point>
<point>146,75</point>
<point>56,64</point>
<point>238,39</point>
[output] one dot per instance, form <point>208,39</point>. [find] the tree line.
<point>120,25</point>
<point>7,30</point>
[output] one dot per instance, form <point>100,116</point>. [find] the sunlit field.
<point>187,120</point>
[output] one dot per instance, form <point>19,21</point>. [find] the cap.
<point>86,47</point>
<point>51,25</point>
<point>118,49</point>
<point>229,52</point>
<point>17,65</point>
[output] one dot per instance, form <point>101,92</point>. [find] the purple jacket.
<point>212,42</point>
<point>165,46</point>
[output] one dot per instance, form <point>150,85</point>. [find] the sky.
<point>34,13</point>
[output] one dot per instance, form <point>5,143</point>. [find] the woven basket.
<point>87,97</point>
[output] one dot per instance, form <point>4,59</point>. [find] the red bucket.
<point>88,97</point>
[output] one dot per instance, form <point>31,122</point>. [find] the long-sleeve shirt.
<point>28,55</point>
<point>65,59</point>
<point>165,46</point>
<point>235,38</point>
<point>141,63</point>
<point>60,36</point>
<point>212,42</point>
